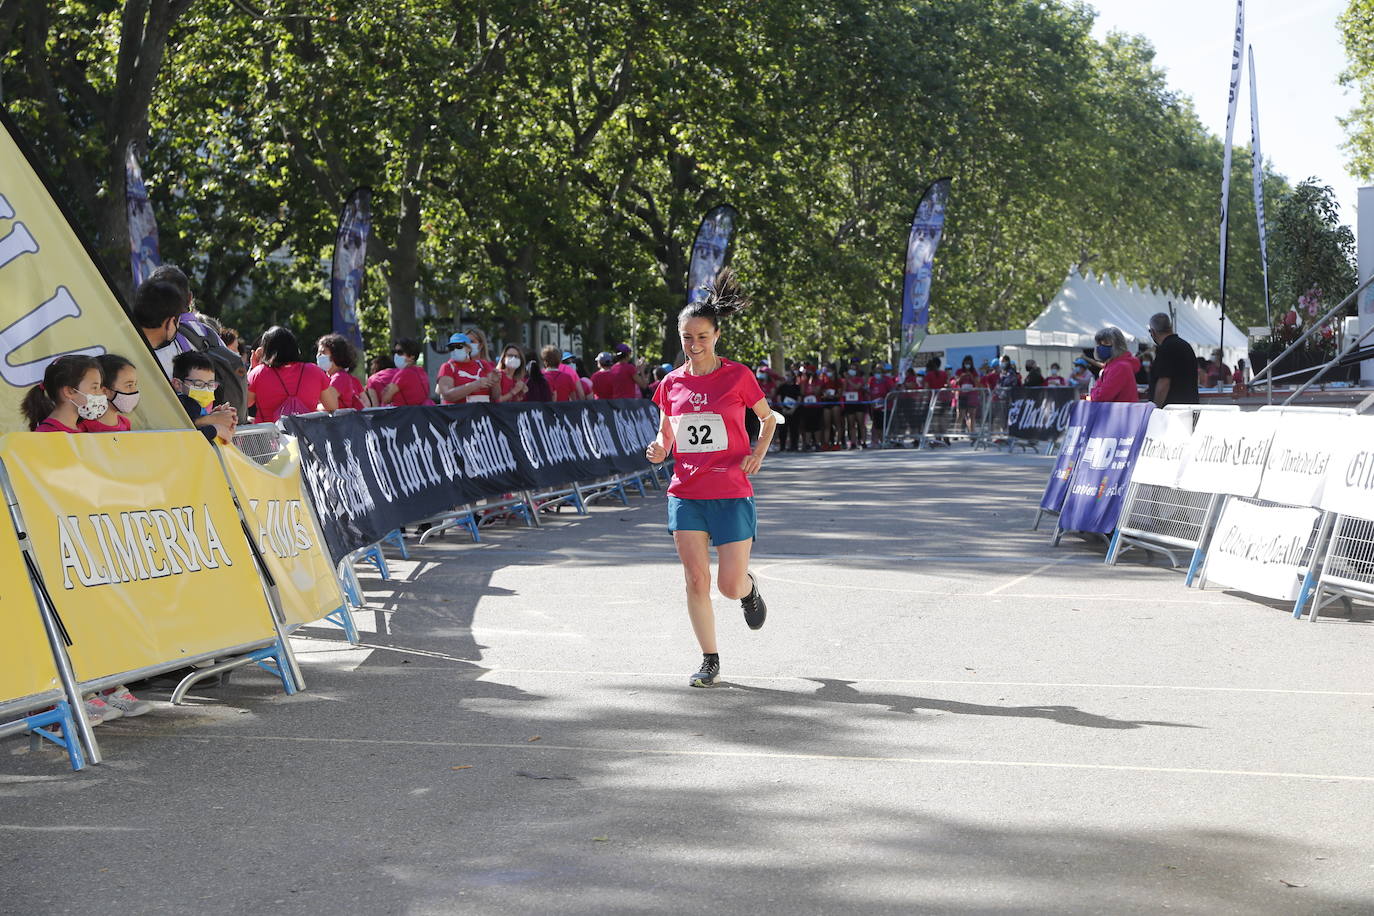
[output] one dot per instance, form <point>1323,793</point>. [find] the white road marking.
<point>1030,575</point>
<point>768,755</point>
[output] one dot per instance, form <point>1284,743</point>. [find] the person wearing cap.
<point>626,381</point>
<point>603,385</point>
<point>466,378</point>
<point>562,385</point>
<point>1082,375</point>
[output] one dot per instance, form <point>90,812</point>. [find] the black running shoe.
<point>709,673</point>
<point>755,610</point>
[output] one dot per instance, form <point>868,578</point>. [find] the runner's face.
<point>699,338</point>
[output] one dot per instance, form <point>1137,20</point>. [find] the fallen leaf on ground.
<point>536,738</point>
<point>601,839</point>
<point>1290,883</point>
<point>466,766</point>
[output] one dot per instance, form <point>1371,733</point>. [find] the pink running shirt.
<point>709,441</point>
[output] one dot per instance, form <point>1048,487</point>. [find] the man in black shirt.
<point>1173,374</point>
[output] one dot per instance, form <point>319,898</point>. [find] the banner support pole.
<point>58,638</point>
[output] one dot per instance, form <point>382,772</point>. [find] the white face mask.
<point>402,362</point>
<point>125,401</point>
<point>512,362</point>
<point>94,408</point>
<point>460,354</point>
<point>323,361</point>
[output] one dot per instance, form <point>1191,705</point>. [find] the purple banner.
<point>350,254</point>
<point>709,249</point>
<point>1075,435</point>
<point>144,256</point>
<point>926,228</point>
<point>1097,488</point>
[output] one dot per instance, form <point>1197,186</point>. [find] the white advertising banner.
<point>1259,549</point>
<point>1228,453</point>
<point>1349,486</point>
<point>1300,455</point>
<point>1161,451</point>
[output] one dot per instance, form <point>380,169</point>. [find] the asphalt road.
<point>943,714</point>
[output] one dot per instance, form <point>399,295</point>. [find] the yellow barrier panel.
<point>288,538</point>
<point>140,545</point>
<point>53,299</point>
<point>26,663</point>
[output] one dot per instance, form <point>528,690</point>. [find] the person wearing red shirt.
<point>119,383</point>
<point>1117,380</point>
<point>603,382</point>
<point>410,385</point>
<point>810,412</point>
<point>710,500</point>
<point>854,392</point>
<point>383,371</point>
<point>880,384</point>
<point>562,385</point>
<point>512,374</point>
<point>336,356</point>
<point>280,383</point>
<point>936,378</point>
<point>69,393</point>
<point>626,381</point>
<point>1054,379</point>
<point>466,378</point>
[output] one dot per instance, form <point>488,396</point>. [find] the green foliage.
<point>1311,250</point>
<point>552,158</point>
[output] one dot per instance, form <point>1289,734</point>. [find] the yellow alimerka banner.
<point>288,538</point>
<point>140,546</point>
<point>26,662</point>
<point>54,300</point>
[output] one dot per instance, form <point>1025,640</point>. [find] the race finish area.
<point>943,713</point>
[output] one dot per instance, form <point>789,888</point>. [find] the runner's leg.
<point>733,564</point>
<point>694,549</point>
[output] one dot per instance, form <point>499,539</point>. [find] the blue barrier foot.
<point>341,617</point>
<point>374,554</point>
<point>399,541</point>
<point>64,736</point>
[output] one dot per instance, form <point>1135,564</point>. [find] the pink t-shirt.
<point>603,384</point>
<point>122,425</point>
<point>561,384</point>
<point>349,389</point>
<point>271,387</point>
<point>49,425</point>
<point>709,441</point>
<point>465,373</point>
<point>412,385</point>
<point>378,381</point>
<point>623,381</point>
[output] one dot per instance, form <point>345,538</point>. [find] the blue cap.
<point>1080,361</point>
<point>567,356</point>
<point>459,338</point>
<point>667,367</point>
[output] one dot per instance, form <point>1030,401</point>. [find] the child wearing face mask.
<point>193,379</point>
<point>69,394</point>
<point>119,382</point>
<point>336,356</point>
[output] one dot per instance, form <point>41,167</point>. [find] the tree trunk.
<point>403,267</point>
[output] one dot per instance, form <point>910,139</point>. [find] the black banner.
<point>370,473</point>
<point>1041,414</point>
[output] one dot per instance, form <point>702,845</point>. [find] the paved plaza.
<point>943,714</point>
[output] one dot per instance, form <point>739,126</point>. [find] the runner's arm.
<point>761,410</point>
<point>658,450</point>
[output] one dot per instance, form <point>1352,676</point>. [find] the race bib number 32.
<point>699,432</point>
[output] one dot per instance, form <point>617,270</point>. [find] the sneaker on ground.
<point>97,711</point>
<point>755,610</point>
<point>122,699</point>
<point>709,672</point>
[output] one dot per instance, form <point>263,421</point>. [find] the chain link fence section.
<point>956,415</point>
<point>904,416</point>
<point>259,441</point>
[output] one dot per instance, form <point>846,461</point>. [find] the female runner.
<point>710,500</point>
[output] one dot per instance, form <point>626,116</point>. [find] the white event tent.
<point>1082,307</point>
<point>1085,305</point>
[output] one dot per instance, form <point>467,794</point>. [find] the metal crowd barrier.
<point>956,414</point>
<point>259,441</point>
<point>1347,570</point>
<point>904,416</point>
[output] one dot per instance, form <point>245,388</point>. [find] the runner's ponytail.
<point>723,298</point>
